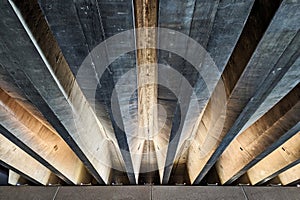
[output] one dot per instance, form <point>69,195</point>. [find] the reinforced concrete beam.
<point>89,23</point>
<point>14,158</point>
<point>290,176</point>
<point>275,125</point>
<point>284,157</point>
<point>146,37</point>
<point>208,23</point>
<point>30,134</point>
<point>246,90</point>
<point>47,81</point>
<point>16,179</point>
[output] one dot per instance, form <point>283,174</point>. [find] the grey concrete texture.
<point>149,192</point>
<point>26,192</point>
<point>197,192</point>
<point>104,192</point>
<point>276,193</point>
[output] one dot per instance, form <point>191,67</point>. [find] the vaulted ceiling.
<point>150,92</point>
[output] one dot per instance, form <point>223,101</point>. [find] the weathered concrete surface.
<point>26,131</point>
<point>265,193</point>
<point>208,23</point>
<point>290,176</point>
<point>50,89</point>
<point>261,68</point>
<point>284,86</point>
<point>186,192</point>
<point>14,178</point>
<point>258,79</point>
<point>25,192</point>
<point>16,159</point>
<point>93,22</point>
<point>111,192</point>
<point>148,192</point>
<point>276,162</point>
<point>259,137</point>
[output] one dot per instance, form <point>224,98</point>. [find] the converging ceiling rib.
<point>15,158</point>
<point>45,143</point>
<point>260,136</point>
<point>290,176</point>
<point>119,92</point>
<point>145,24</point>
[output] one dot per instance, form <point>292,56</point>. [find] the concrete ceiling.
<point>92,92</point>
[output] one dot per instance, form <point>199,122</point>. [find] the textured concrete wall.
<point>150,192</point>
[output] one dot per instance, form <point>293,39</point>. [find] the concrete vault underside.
<point>172,92</point>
